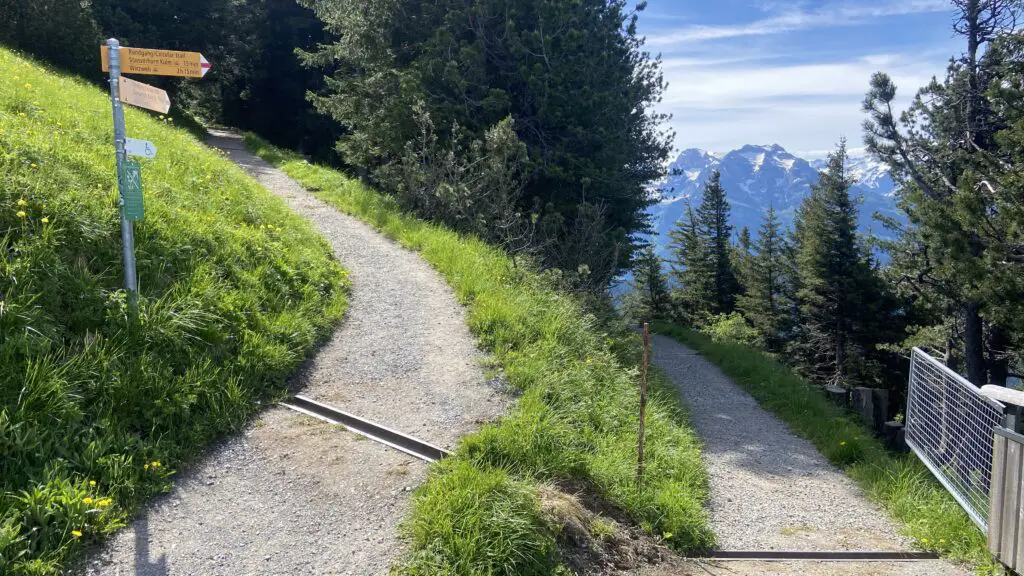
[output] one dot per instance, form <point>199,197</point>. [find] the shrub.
<point>731,328</point>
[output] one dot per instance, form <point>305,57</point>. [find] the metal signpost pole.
<point>131,284</point>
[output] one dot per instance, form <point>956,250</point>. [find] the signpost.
<point>144,96</point>
<point>117,60</point>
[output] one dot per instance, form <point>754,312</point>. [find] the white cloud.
<point>802,106</point>
<point>797,18</point>
<point>741,86</point>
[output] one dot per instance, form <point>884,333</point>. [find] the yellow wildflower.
<point>27,85</point>
<point>76,533</point>
<point>155,463</point>
<point>86,500</point>
<point>20,213</point>
<point>21,202</point>
<point>104,502</point>
<point>91,482</point>
<point>33,165</point>
<point>47,221</point>
<point>843,443</point>
<point>145,466</point>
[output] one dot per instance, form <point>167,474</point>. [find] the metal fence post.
<point>131,283</point>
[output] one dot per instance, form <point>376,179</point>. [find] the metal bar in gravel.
<point>771,490</point>
<point>294,495</point>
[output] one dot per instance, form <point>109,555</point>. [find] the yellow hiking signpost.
<point>117,60</point>
<point>158,62</point>
<point>144,96</point>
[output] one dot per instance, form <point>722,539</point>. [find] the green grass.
<point>900,483</point>
<point>576,419</point>
<point>97,409</point>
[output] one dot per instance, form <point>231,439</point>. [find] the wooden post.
<point>643,408</point>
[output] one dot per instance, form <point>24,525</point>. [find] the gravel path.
<point>293,495</point>
<point>771,490</point>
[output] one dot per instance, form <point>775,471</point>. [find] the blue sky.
<point>789,72</point>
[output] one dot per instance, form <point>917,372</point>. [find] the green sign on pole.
<point>131,190</point>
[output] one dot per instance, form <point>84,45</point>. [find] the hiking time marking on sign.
<point>158,62</point>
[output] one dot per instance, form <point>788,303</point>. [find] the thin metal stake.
<point>643,408</point>
<point>131,283</point>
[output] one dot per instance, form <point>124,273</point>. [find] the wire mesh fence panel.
<point>950,426</point>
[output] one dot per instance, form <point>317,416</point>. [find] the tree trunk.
<point>972,15</point>
<point>951,360</point>
<point>974,345</point>
<point>998,363</point>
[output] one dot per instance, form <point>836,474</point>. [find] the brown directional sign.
<point>144,95</point>
<point>158,62</point>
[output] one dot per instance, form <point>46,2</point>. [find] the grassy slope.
<point>900,483</point>
<point>576,419</point>
<point>96,410</point>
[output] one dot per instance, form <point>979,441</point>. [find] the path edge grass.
<point>576,417</point>
<point>900,483</point>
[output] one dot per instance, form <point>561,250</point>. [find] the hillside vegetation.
<point>97,410</point>
<point>575,423</point>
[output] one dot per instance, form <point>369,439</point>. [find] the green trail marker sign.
<point>130,180</point>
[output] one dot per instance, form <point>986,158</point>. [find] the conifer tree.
<point>833,278</point>
<point>766,300</point>
<point>692,295</point>
<point>650,299</point>
<point>714,228</point>
<point>955,156</point>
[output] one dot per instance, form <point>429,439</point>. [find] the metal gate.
<point>950,426</point>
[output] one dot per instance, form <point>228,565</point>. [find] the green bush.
<point>731,328</point>
<point>97,408</point>
<point>576,420</point>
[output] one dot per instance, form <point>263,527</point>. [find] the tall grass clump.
<point>575,423</point>
<point>98,408</point>
<point>901,483</point>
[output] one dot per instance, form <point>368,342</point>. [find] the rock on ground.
<point>292,495</point>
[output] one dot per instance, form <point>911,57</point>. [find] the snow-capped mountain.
<point>758,177</point>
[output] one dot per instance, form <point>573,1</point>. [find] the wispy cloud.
<point>797,18</point>
<point>801,106</point>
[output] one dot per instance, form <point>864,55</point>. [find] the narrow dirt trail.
<point>771,490</point>
<point>292,495</point>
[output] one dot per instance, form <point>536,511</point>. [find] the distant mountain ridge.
<point>758,177</point>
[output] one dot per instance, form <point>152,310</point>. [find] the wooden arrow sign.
<point>144,95</point>
<point>158,62</point>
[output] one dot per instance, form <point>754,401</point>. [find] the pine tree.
<point>650,299</point>
<point>953,154</point>
<point>833,278</point>
<point>766,302</point>
<point>714,228</point>
<point>692,296</point>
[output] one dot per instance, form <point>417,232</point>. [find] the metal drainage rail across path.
<point>376,432</point>
<point>821,556</point>
<point>430,453</point>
